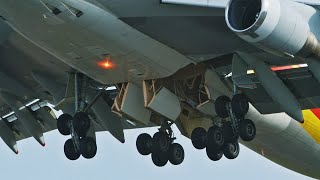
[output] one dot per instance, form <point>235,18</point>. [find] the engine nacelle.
<point>277,26</point>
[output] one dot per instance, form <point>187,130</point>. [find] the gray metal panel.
<point>300,82</point>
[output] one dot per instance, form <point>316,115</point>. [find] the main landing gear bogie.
<point>79,143</point>
<point>161,147</point>
<point>217,144</point>
<point>78,126</point>
<point>223,139</point>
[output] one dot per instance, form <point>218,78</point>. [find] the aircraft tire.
<point>81,123</point>
<point>221,106</point>
<point>247,130</point>
<point>142,144</point>
<point>214,154</point>
<point>160,142</point>
<point>231,150</point>
<point>62,124</point>
<point>240,105</point>
<point>70,151</point>
<point>215,137</point>
<point>88,147</point>
<point>199,138</point>
<point>176,154</point>
<point>159,160</point>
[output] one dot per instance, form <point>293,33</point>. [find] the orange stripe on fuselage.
<point>312,123</point>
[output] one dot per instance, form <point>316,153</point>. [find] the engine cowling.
<point>277,26</point>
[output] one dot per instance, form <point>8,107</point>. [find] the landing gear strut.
<point>78,125</point>
<point>222,139</point>
<point>161,146</point>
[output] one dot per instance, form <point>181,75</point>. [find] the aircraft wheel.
<point>176,154</point>
<point>215,137</point>
<point>160,142</point>
<point>228,134</point>
<point>214,154</point>
<point>81,123</point>
<point>62,124</point>
<point>240,105</point>
<point>221,106</point>
<point>231,150</point>
<point>88,147</point>
<point>143,144</point>
<point>247,130</point>
<point>199,138</point>
<point>70,151</point>
<point>159,160</point>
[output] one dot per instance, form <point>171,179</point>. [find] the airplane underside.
<point>111,68</point>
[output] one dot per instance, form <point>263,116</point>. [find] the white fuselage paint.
<point>82,42</point>
<point>284,141</point>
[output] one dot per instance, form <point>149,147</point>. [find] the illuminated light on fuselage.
<point>281,68</point>
<point>106,64</point>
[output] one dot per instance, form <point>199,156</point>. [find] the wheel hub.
<point>250,130</point>
<point>219,136</point>
<point>178,153</point>
<point>233,148</point>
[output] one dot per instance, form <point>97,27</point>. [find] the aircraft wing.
<point>26,106</point>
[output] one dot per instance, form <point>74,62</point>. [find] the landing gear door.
<point>161,101</point>
<point>129,102</point>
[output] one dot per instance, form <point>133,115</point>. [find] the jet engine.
<point>277,26</point>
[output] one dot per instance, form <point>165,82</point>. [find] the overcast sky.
<point>122,161</point>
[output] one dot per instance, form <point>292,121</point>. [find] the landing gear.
<point>222,139</point>
<point>240,105</point>
<point>199,138</point>
<point>215,137</point>
<point>221,106</point>
<point>88,147</point>
<point>78,126</point>
<point>176,154</point>
<point>81,123</point>
<point>161,146</point>
<point>214,154</point>
<point>237,108</point>
<point>231,150</point>
<point>161,142</point>
<point>63,124</point>
<point>247,130</point>
<point>144,143</point>
<point>159,160</point>
<point>70,150</point>
<point>228,132</point>
<point>79,144</point>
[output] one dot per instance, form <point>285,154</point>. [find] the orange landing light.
<point>105,64</point>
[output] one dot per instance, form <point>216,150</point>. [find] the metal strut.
<point>80,91</point>
<point>166,127</point>
<point>234,120</point>
<point>74,136</point>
